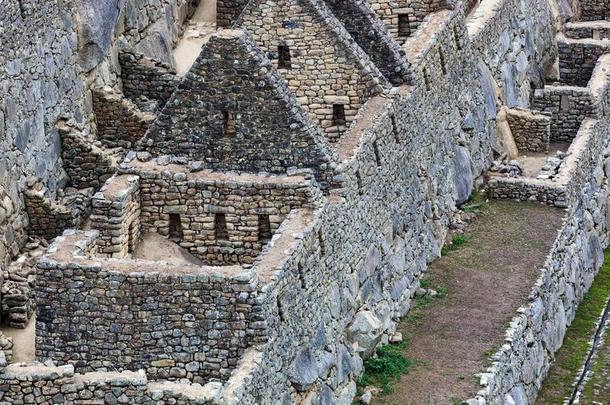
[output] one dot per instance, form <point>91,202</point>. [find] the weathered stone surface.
<point>96,23</point>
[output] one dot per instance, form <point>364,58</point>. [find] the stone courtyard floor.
<point>483,282</point>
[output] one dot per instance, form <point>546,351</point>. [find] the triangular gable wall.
<point>233,111</point>
<point>327,67</point>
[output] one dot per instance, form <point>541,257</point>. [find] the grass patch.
<point>574,350</point>
<point>457,241</point>
<point>385,369</point>
<point>476,203</point>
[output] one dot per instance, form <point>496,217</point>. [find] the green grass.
<point>385,369</point>
<point>475,204</point>
<point>575,348</point>
<point>456,242</point>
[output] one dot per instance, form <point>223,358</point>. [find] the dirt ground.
<point>158,248</point>
<point>486,280</point>
<point>23,342</point>
<point>198,30</point>
<point>533,162</point>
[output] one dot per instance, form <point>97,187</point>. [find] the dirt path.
<point>486,280</point>
<point>198,30</point>
<point>23,342</point>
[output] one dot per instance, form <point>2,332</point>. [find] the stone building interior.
<point>265,201</point>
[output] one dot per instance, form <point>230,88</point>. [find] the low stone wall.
<point>524,189</point>
<point>587,29</point>
<point>531,131</point>
<point>115,212</point>
<point>47,218</point>
<point>60,385</point>
<point>591,10</point>
<point>578,57</point>
<point>145,79</point>
<point>119,121</point>
<point>568,107</point>
<point>172,321</point>
<point>86,164</point>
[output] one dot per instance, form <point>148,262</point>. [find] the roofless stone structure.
<point>235,202</point>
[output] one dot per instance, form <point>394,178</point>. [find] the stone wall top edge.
<point>374,112</point>
<point>587,24</point>
<point>194,172</point>
<point>69,252</point>
<point>41,372</point>
<point>484,16</point>
<point>429,33</point>
<point>602,43</point>
<point>600,78</point>
<point>288,239</point>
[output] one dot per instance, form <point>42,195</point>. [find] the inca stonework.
<point>250,231</point>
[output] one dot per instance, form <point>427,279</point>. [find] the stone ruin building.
<point>233,202</point>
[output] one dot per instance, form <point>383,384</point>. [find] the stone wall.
<point>86,164</point>
<point>372,36</point>
<point>587,29</point>
<point>172,321</point>
<point>120,123</point>
<point>508,35</point>
<point>146,80</point>
<point>568,107</point>
<point>531,131</point>
<point>39,83</point>
<point>327,70</point>
<point>50,53</point>
<point>591,10</point>
<point>239,116</point>
<point>24,383</point>
<point>578,57</point>
<point>47,218</point>
<point>227,11</point>
<point>414,11</point>
<point>115,213</point>
<point>252,209</point>
<point>342,289</point>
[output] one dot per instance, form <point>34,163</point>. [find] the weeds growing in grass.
<point>456,242</point>
<point>476,203</point>
<point>385,369</point>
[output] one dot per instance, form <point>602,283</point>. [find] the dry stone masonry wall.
<point>120,123</point>
<point>532,132</point>
<point>330,75</point>
<point>403,17</point>
<point>352,226</point>
<point>568,107</point>
<point>146,80</point>
<point>246,117</point>
<point>184,322</point>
